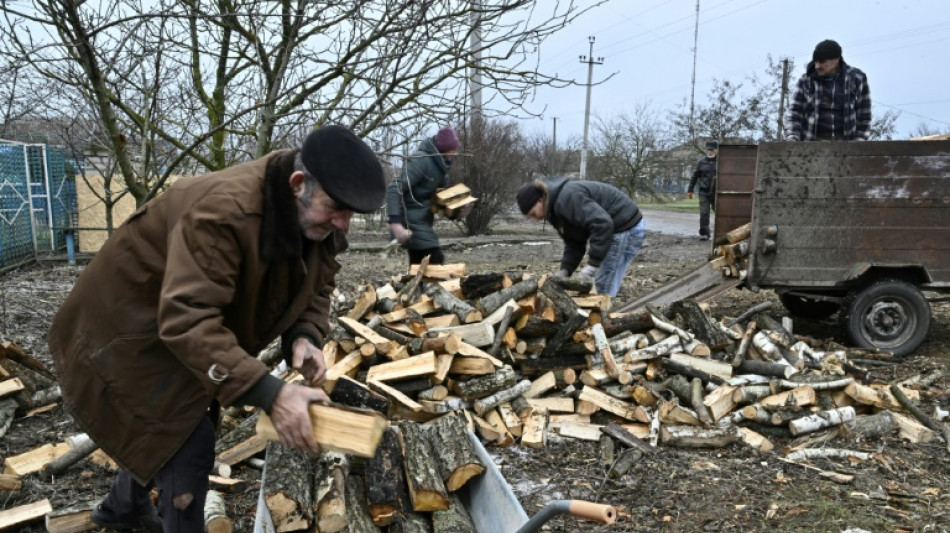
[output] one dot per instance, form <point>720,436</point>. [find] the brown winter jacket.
<point>207,273</point>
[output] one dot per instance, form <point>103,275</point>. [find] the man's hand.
<point>290,414</point>
<point>308,360</point>
<point>400,233</point>
<point>689,195</point>
<point>563,273</point>
<point>588,272</point>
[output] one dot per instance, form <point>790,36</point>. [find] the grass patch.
<point>684,205</point>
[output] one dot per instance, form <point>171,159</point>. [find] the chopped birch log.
<point>330,472</point>
<point>624,463</point>
<point>482,386</point>
<point>288,491</point>
<point>796,397</point>
<point>607,403</point>
<point>397,395</point>
<point>693,437</point>
<point>216,513</point>
<point>482,405</point>
<point>828,453</point>
<point>823,419</point>
<point>417,365</point>
<point>465,312</point>
<point>697,399</point>
<point>457,459</point>
<point>426,489</point>
<point>490,303</point>
<point>908,404</point>
<point>358,517</point>
<point>72,519</point>
<point>868,427</point>
<point>534,434</point>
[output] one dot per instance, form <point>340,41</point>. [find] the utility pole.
<point>555,133</point>
<point>476,71</point>
<point>692,91</point>
<point>781,102</point>
<point>590,78</point>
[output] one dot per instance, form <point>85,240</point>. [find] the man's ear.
<point>297,183</point>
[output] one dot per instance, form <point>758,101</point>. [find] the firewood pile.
<point>730,254</point>
<point>517,360</point>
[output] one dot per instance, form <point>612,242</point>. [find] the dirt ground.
<point>905,489</point>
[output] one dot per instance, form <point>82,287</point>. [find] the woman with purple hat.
<point>409,196</point>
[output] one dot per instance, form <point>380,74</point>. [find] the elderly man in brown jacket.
<point>163,325</point>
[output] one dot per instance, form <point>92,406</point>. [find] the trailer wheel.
<point>888,315</point>
<point>808,308</point>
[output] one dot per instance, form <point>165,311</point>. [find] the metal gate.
<point>37,201</point>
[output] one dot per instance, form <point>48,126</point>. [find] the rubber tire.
<point>803,307</point>
<point>894,298</point>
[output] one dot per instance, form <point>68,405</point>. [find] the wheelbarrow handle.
<point>597,512</point>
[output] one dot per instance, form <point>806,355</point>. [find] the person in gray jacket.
<point>409,196</point>
<point>590,217</point>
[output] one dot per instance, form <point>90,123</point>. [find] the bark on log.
<point>500,331</point>
<point>453,520</point>
<point>411,522</point>
<point>484,405</point>
<point>583,286</point>
<point>691,372</point>
<point>352,393</point>
<point>426,489</point>
<point>919,415</point>
<point>475,286</point>
<point>624,463</point>
<point>358,517</point>
<point>568,327</point>
<point>640,322</point>
<point>457,459</point>
<point>488,304</point>
<point>330,473</point>
<point>465,312</point>
<point>821,420</point>
<point>385,480</point>
<point>763,368</point>
<point>482,386</point>
<point>408,293</point>
<point>288,491</point>
<point>700,324</point>
<point>76,453</point>
<point>535,326</point>
<point>626,438</point>
<point>216,513</point>
<point>871,427</point>
<point>693,437</point>
<point>562,301</point>
<point>696,400</point>
<point>530,367</point>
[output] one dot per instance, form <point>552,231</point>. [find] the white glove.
<point>563,273</point>
<point>400,233</point>
<point>588,272</point>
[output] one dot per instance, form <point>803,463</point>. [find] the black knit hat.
<point>528,195</point>
<point>346,168</point>
<point>712,145</point>
<point>825,50</point>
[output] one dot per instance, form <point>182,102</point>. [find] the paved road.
<point>673,222</point>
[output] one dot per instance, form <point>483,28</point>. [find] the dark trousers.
<point>705,204</point>
<point>416,256</point>
<point>185,473</point>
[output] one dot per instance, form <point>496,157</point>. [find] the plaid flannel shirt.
<point>803,114</point>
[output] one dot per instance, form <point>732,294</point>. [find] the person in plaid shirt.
<point>832,101</point>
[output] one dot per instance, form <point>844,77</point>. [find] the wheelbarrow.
<point>490,502</point>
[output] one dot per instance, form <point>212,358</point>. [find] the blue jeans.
<point>623,250</point>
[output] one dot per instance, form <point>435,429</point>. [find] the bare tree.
<point>625,145</point>
<point>196,84</point>
<point>545,159</point>
<point>493,167</point>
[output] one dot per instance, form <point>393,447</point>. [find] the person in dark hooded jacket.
<point>409,196</point>
<point>590,217</point>
<point>704,178</point>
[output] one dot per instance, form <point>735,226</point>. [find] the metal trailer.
<point>861,229</point>
<point>493,506</point>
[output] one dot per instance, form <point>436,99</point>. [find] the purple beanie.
<point>446,140</point>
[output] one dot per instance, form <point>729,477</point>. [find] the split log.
<point>441,344</point>
<point>396,395</point>
<point>693,437</point>
<point>521,407</point>
<point>603,348</point>
<point>541,385</point>
<point>471,366</point>
<point>581,431</point>
<point>478,334</point>
<point>417,365</point>
<point>823,419</point>
<point>385,480</point>
<point>11,482</point>
<point>447,405</point>
<point>607,403</point>
<point>534,434</point>
<point>352,393</point>
<point>535,326</point>
<point>919,415</point>
<point>216,513</point>
<point>288,488</point>
<point>408,293</point>
<point>672,413</point>
<point>349,365</point>
<point>801,396</point>
<point>487,403</point>
<point>426,489</point>
<point>465,312</point>
<point>329,493</point>
<point>700,324</point>
<point>72,519</point>
<point>411,522</point>
<point>568,327</point>
<point>34,460</point>
<point>435,394</point>
<point>380,343</point>
<point>511,419</point>
<point>240,443</point>
<point>365,302</point>
<point>337,429</point>
<point>457,459</point>
<point>697,399</point>
<point>24,514</point>
<point>358,516</point>
<point>576,361</point>
<point>720,401</point>
<point>455,519</point>
<point>687,369</point>
<point>878,396</point>
<point>739,234</point>
<point>553,404</point>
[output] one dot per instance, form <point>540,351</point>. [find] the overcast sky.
<point>901,45</point>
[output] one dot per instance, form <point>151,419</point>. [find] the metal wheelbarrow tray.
<point>489,501</point>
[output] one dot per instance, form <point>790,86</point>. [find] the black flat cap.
<point>825,50</point>
<point>346,168</point>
